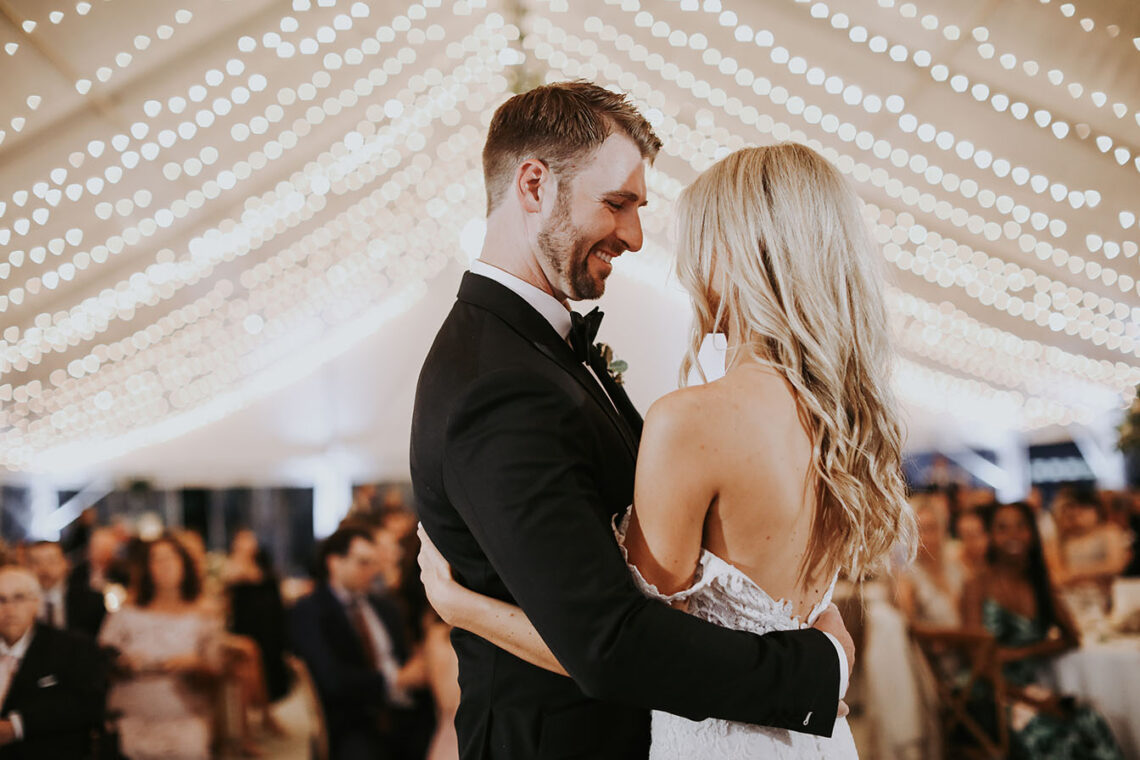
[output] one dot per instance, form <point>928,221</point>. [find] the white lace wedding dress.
<point>724,595</point>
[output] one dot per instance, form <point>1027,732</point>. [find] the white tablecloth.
<point>1107,674</point>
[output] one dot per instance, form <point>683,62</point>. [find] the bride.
<point>755,491</point>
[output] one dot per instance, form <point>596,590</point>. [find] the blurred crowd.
<point>113,645</point>
<point>999,590</point>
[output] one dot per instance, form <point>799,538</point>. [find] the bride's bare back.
<point>725,467</point>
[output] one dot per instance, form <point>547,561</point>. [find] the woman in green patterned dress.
<point>1016,602</point>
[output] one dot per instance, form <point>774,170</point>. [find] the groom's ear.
<point>533,181</point>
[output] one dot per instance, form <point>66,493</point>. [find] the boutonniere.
<point>614,366</point>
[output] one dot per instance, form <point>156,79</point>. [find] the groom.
<point>523,449</point>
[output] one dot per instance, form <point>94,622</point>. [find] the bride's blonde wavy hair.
<point>774,251</point>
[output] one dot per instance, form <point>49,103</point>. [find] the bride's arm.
<point>504,625</point>
<point>672,494</point>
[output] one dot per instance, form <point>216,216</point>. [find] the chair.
<point>966,734</point>
<point>318,732</point>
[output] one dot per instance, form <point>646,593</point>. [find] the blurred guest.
<point>389,557</point>
<point>52,684</point>
<point>257,612</point>
<point>1133,503</point>
<point>443,679</point>
<point>169,656</point>
<point>1016,602</point>
<point>1047,529</point>
<point>80,610</point>
<point>929,589</point>
<point>102,565</point>
<point>78,535</point>
<point>1093,553</point>
<point>354,647</point>
<point>970,527</point>
<point>213,587</point>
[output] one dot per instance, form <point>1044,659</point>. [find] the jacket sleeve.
<point>517,466</point>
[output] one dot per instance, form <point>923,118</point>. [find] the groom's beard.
<point>568,255</point>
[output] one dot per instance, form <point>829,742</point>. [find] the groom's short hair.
<point>561,124</point>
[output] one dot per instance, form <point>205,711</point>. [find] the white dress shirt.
<point>53,599</point>
<point>558,315</point>
<point>552,310</point>
<point>7,675</point>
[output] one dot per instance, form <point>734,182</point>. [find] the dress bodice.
<point>723,594</point>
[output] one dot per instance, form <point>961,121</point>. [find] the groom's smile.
<point>596,219</point>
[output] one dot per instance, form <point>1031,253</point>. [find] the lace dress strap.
<point>620,524</point>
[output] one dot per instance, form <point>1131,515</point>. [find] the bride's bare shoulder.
<point>741,414</point>
<point>686,417</point>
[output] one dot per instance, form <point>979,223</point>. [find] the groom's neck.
<point>505,246</point>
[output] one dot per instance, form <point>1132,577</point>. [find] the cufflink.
<point>46,681</point>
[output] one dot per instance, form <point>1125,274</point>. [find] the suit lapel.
<point>523,319</point>
<point>617,392</point>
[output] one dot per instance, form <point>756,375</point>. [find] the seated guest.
<point>52,684</point>
<point>77,536</point>
<point>354,647</point>
<point>258,614</point>
<point>1093,550</point>
<point>168,655</point>
<point>443,678</point>
<point>102,566</point>
<point>63,606</point>
<point>929,589</point>
<point>970,527</point>
<point>1016,602</point>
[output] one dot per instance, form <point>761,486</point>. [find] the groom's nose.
<point>629,230</point>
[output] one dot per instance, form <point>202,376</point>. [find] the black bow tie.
<point>583,330</point>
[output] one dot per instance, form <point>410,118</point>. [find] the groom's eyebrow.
<point>627,196</point>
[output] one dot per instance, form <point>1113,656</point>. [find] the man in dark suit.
<point>52,683</point>
<point>102,564</point>
<point>354,647</point>
<point>64,605</point>
<point>523,450</point>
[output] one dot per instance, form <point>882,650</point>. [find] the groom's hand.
<point>830,621</point>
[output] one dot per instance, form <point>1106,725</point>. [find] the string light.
<point>973,278</point>
<point>166,215</point>
<point>916,163</point>
<point>377,211</point>
<point>365,220</point>
<point>960,82</point>
<point>103,74</point>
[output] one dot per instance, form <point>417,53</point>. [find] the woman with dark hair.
<point>168,657</point>
<point>257,613</point>
<point>1016,601</point>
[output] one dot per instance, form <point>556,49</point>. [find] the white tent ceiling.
<point>229,230</point>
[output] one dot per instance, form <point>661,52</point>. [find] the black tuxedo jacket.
<point>519,463</point>
<point>59,690</point>
<point>84,609</point>
<point>352,692</point>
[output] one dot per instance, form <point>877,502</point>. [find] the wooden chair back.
<point>976,654</point>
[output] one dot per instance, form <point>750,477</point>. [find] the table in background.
<point>1107,674</point>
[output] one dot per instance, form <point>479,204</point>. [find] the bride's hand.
<point>444,594</point>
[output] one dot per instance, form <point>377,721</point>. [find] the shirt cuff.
<point>17,725</point>
<point>842,664</point>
